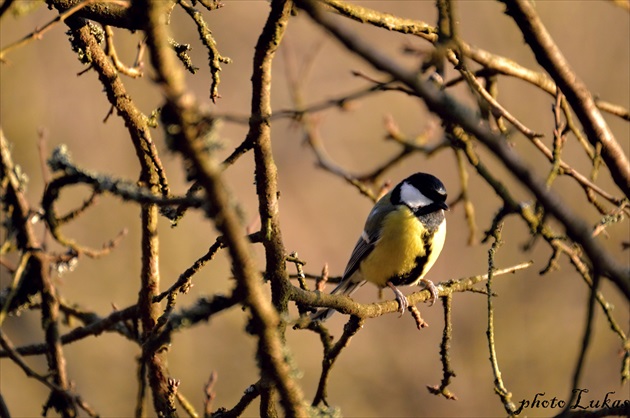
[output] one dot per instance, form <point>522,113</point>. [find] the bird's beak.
<point>442,205</point>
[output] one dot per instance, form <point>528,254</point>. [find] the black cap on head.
<point>428,185</point>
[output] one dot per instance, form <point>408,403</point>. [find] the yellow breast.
<point>395,254</point>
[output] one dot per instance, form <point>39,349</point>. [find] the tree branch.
<point>180,111</point>
<point>119,14</point>
<point>449,109</point>
<point>551,58</point>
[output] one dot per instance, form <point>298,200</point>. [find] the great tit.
<point>403,237</point>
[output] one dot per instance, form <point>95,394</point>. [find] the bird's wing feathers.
<point>349,284</point>
<point>363,247</point>
<point>369,237</point>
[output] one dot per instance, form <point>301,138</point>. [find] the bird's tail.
<point>345,287</point>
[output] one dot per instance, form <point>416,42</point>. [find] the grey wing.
<point>363,247</point>
<point>368,238</point>
<point>361,250</point>
<point>348,284</point>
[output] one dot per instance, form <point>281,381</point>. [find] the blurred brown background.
<point>539,319</point>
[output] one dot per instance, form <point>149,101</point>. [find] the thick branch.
<point>151,175</point>
<point>260,136</point>
<point>181,112</point>
<point>149,312</point>
<point>551,58</point>
<point>60,401</point>
<point>449,109</point>
<point>135,121</point>
<point>348,306</point>
<point>106,13</point>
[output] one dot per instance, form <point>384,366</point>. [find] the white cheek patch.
<point>413,197</point>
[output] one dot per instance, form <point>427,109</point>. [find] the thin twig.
<point>134,71</point>
<point>183,283</point>
<point>551,58</point>
<point>6,344</point>
<point>499,387</point>
<point>179,110</point>
<point>586,341</point>
<point>39,33</point>
<point>330,355</point>
<point>445,345</point>
<point>13,288</point>
<point>497,108</point>
<point>469,208</point>
<point>447,107</point>
<point>249,394</point>
<point>214,57</point>
<point>492,63</point>
<point>209,393</point>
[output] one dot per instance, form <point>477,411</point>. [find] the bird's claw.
<point>428,284</point>
<point>402,300</point>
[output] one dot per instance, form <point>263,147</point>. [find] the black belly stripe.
<point>412,276</point>
<point>431,221</point>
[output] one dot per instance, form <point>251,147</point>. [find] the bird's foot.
<point>402,300</point>
<point>428,284</point>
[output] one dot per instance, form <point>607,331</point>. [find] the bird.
<point>402,239</point>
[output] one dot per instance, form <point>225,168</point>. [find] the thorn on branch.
<point>320,282</point>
